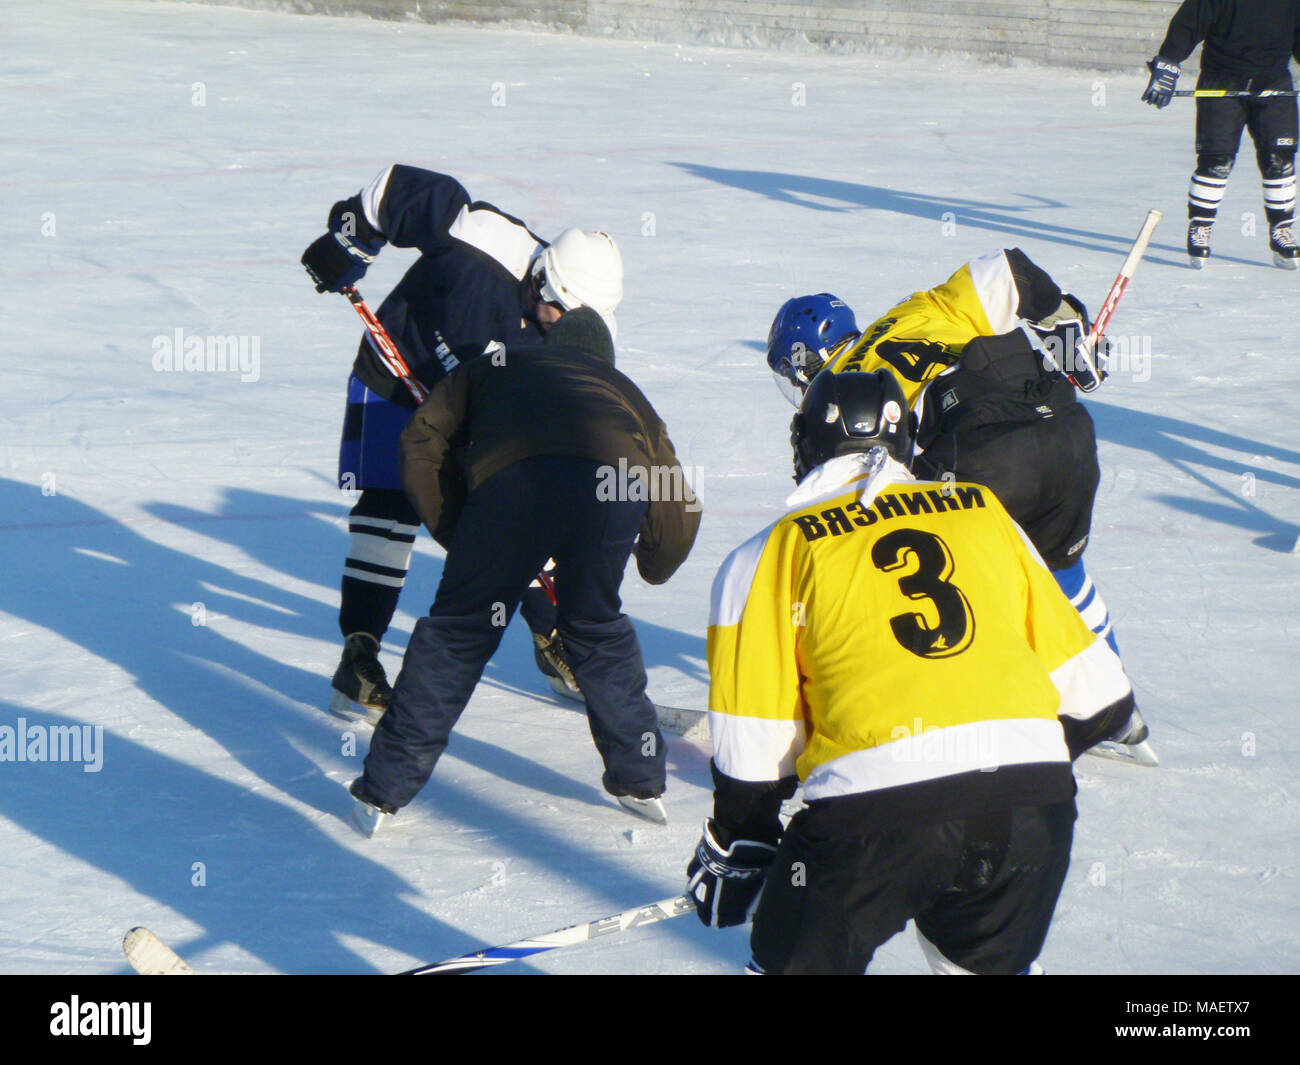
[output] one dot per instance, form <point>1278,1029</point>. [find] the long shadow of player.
<point>1187,447</point>
<point>248,868</point>
<point>827,194</point>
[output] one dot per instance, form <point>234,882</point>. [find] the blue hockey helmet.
<point>804,333</point>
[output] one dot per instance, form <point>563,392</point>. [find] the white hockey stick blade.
<point>1134,753</point>
<point>637,917</point>
<point>150,956</point>
<point>688,724</point>
<point>650,809</point>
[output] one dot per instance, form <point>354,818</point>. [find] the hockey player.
<point>483,279</point>
<point>975,359</point>
<point>579,486</point>
<point>1247,46</point>
<point>899,648</point>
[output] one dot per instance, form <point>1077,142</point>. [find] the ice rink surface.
<point>172,541</point>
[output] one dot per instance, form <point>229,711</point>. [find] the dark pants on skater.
<point>982,889</point>
<point>540,508</point>
<point>1273,126</point>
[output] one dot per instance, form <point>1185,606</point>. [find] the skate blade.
<point>1285,263</point>
<point>650,809</point>
<point>367,819</point>
<point>346,710</point>
<point>1195,263</point>
<point>1133,753</point>
<point>560,688</point>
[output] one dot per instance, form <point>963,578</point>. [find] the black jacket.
<point>465,290</point>
<point>560,397</point>
<point>1244,39</point>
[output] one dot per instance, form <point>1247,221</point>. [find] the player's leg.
<point>599,639</point>
<point>499,543</point>
<point>1219,122</point>
<point>994,914</point>
<point>834,893</point>
<point>1274,126</point>
<point>381,527</point>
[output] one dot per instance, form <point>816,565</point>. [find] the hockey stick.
<point>387,349</point>
<point>563,937</point>
<point>150,956</point>
<point>1087,349</point>
<point>1263,94</point>
<point>394,361</point>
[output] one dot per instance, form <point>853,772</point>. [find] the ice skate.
<point>1281,242</point>
<point>548,652</point>
<point>652,809</point>
<point>361,690</point>
<point>1129,745</point>
<point>369,816</point>
<point>1198,242</point>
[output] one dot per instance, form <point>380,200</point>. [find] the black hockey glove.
<point>1164,76</point>
<point>725,882</point>
<point>339,259</point>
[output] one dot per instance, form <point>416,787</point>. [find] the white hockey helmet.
<point>582,268</point>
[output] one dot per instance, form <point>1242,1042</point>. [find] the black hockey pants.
<point>539,508</point>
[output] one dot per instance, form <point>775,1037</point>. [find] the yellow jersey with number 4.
<point>926,333</point>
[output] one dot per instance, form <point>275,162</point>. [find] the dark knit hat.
<point>584,332</point>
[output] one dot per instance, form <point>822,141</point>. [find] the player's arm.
<point>1189,27</point>
<point>430,475</point>
<point>754,702</point>
<point>671,522</point>
<point>410,207</point>
<point>1096,696</point>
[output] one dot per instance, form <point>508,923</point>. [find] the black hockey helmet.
<point>847,412</point>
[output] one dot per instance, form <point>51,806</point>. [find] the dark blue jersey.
<point>465,291</point>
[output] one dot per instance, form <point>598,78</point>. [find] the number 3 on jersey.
<point>929,580</point>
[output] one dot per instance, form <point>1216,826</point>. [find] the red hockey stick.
<point>387,349</point>
<point>1090,378</point>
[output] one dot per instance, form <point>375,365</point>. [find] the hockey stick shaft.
<point>1125,275</point>
<point>1211,94</point>
<point>387,349</point>
<point>662,910</point>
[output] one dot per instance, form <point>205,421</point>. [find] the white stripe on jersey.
<point>746,748</point>
<point>509,243</point>
<point>371,196</point>
<point>1090,682</point>
<point>735,577</point>
<point>996,288</point>
<point>982,746</point>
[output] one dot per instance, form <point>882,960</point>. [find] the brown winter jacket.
<point>560,397</point>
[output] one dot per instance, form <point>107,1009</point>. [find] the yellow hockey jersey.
<point>926,333</point>
<point>887,632</point>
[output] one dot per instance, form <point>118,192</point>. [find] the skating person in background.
<point>974,357</point>
<point>582,485</point>
<point>483,279</point>
<point>899,648</point>
<point>1247,46</point>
